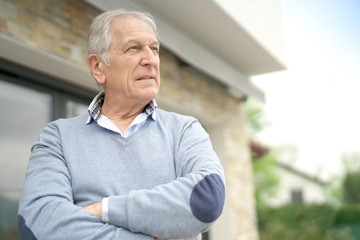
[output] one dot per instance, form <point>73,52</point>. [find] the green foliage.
<point>334,191</point>
<point>255,117</point>
<point>351,188</point>
<point>265,177</point>
<point>351,179</point>
<point>343,189</point>
<point>304,231</point>
<point>348,214</point>
<point>302,222</point>
<point>294,214</point>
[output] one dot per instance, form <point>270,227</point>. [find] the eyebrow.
<point>139,42</point>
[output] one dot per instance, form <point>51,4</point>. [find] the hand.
<point>178,239</point>
<point>95,208</point>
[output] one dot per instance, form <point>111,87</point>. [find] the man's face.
<point>133,73</point>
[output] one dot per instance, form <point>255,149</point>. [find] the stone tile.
<point>8,9</point>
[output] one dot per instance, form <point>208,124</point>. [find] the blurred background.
<point>313,103</point>
<point>310,126</point>
<point>274,83</point>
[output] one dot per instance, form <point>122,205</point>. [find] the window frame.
<point>60,90</point>
<point>297,195</point>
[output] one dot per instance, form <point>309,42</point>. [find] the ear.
<point>96,66</point>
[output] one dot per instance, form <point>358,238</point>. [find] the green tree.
<point>351,179</point>
<point>256,117</point>
<point>266,178</point>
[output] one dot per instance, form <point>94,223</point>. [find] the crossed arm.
<point>96,209</point>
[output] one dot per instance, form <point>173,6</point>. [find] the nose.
<point>149,57</point>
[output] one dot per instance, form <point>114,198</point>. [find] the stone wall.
<point>60,28</point>
<point>56,26</point>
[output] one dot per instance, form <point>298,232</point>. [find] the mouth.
<point>146,78</point>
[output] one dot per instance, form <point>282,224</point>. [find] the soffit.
<point>208,38</point>
<point>209,25</point>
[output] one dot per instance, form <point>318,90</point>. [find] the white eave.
<point>35,59</point>
<point>207,37</point>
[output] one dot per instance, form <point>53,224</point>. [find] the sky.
<point>314,103</point>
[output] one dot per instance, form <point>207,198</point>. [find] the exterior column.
<point>239,173</point>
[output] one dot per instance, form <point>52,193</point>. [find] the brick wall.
<point>60,28</point>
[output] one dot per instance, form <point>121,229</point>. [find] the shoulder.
<point>175,122</point>
<point>67,124</point>
<point>61,129</point>
<point>174,118</point>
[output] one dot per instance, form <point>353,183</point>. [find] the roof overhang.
<point>35,59</point>
<point>205,36</point>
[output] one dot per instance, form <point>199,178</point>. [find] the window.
<point>24,113</point>
<point>297,196</point>
<point>26,106</point>
<point>75,108</point>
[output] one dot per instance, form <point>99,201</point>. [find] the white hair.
<point>100,37</point>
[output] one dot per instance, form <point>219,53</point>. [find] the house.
<point>297,187</point>
<point>210,48</point>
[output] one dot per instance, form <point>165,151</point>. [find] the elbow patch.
<point>24,231</point>
<point>207,198</point>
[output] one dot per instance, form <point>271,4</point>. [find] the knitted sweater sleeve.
<point>46,208</point>
<point>183,207</point>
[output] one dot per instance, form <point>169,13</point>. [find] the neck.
<point>120,113</point>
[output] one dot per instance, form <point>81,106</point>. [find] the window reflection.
<point>24,113</point>
<point>75,108</point>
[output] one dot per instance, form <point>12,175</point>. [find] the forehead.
<point>124,28</point>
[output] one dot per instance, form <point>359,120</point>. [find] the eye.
<point>155,49</point>
<point>133,48</point>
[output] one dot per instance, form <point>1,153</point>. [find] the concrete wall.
<point>60,27</point>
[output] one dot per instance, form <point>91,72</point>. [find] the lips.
<point>146,77</point>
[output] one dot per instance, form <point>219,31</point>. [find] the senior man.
<point>126,169</point>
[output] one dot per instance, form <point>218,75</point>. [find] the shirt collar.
<point>94,109</point>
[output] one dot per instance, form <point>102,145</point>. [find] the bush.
<point>291,215</point>
<point>348,214</point>
<point>304,231</point>
<point>301,222</point>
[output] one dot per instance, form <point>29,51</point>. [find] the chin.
<point>150,94</point>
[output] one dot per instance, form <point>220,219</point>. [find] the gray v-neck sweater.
<point>163,181</point>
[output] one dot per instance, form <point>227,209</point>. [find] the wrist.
<point>94,208</point>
